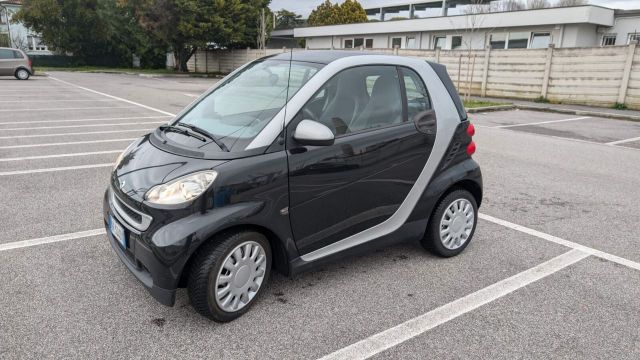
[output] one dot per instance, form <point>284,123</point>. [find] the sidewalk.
<point>633,115</point>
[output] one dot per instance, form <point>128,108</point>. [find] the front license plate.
<point>118,232</point>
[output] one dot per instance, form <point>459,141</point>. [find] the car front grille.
<point>136,219</point>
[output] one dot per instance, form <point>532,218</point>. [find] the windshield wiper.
<point>204,132</point>
<point>181,131</point>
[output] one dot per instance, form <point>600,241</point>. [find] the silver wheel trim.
<point>240,276</point>
<point>456,224</point>
<point>22,74</point>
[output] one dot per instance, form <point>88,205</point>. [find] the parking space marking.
<point>79,126</point>
<point>51,239</point>
<point>82,120</point>
<point>61,155</point>
<point>113,97</point>
<point>560,241</point>
<point>624,141</point>
<point>541,122</point>
<point>74,108</point>
<point>398,334</point>
<point>79,133</point>
<point>65,143</point>
<point>65,168</point>
<point>191,95</point>
<point>52,100</point>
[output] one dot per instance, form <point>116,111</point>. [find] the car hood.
<point>145,166</point>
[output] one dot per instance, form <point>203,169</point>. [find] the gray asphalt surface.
<point>74,299</point>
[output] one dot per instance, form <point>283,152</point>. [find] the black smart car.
<point>291,161</point>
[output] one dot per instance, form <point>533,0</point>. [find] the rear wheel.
<point>452,224</point>
<point>228,274</point>
<point>22,74</point>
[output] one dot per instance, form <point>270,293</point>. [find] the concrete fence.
<point>601,76</point>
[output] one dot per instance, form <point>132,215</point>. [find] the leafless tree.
<point>19,42</point>
<point>561,3</point>
<point>262,31</point>
<point>538,4</point>
<point>508,5</point>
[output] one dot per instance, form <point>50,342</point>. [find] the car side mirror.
<point>309,132</point>
<point>426,122</point>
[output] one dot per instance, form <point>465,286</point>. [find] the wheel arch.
<point>280,260</point>
<point>21,67</point>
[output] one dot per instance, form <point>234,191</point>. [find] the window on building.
<point>633,37</point>
<point>439,42</point>
<point>540,40</point>
<point>348,44</point>
<point>609,40</point>
<point>498,41</point>
<point>382,107</point>
<point>357,42</point>
<point>518,40</point>
<point>456,42</point>
<point>411,42</point>
<point>396,42</point>
<point>368,43</point>
<point>39,44</point>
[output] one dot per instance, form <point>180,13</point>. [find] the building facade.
<point>16,35</point>
<point>403,27</point>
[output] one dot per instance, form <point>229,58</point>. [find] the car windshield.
<point>239,109</point>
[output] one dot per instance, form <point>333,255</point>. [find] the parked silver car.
<point>14,62</point>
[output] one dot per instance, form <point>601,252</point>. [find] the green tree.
<point>328,13</point>
<point>92,30</point>
<point>186,25</point>
<point>286,19</point>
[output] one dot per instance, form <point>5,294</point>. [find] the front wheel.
<point>228,274</point>
<point>452,224</point>
<point>22,74</point>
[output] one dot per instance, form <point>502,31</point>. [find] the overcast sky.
<point>304,7</point>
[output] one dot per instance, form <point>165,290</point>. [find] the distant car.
<point>14,62</point>
<point>287,163</point>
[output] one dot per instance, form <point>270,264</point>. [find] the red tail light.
<point>30,63</point>
<point>471,148</point>
<point>471,130</point>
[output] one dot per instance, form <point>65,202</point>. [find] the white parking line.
<point>61,155</point>
<point>623,141</point>
<point>59,100</point>
<point>80,126</point>
<point>112,97</point>
<point>82,120</point>
<point>191,95</point>
<point>65,143</point>
<point>74,108</point>
<point>400,333</point>
<point>50,239</point>
<point>560,241</point>
<point>542,122</point>
<point>65,168</point>
<point>78,133</point>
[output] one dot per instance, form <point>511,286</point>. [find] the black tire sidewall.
<point>432,238</point>
<point>18,77</point>
<point>213,261</point>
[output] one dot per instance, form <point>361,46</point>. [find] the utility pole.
<point>6,14</point>
<point>262,37</point>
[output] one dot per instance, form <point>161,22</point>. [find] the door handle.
<point>426,122</point>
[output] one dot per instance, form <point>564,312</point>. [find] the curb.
<point>601,114</point>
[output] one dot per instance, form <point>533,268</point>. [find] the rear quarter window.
<point>17,55</point>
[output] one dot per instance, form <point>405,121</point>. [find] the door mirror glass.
<point>309,132</point>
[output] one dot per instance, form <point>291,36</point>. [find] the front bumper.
<point>140,259</point>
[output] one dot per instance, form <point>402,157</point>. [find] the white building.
<point>16,35</point>
<point>433,23</point>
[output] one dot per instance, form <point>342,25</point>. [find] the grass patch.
<point>469,104</point>
<point>619,106</point>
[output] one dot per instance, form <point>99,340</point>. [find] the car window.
<point>416,91</point>
<point>357,99</point>
<point>17,54</point>
<point>6,54</point>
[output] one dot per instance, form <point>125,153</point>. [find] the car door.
<point>361,180</point>
<point>6,62</point>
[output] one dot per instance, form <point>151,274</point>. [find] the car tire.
<point>22,74</point>
<point>452,224</point>
<point>243,278</point>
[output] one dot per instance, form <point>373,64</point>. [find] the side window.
<point>6,54</point>
<point>357,99</point>
<point>17,54</point>
<point>416,91</point>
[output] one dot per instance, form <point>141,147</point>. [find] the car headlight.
<point>182,189</point>
<point>122,154</point>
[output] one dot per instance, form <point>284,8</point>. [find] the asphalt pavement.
<point>553,270</point>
